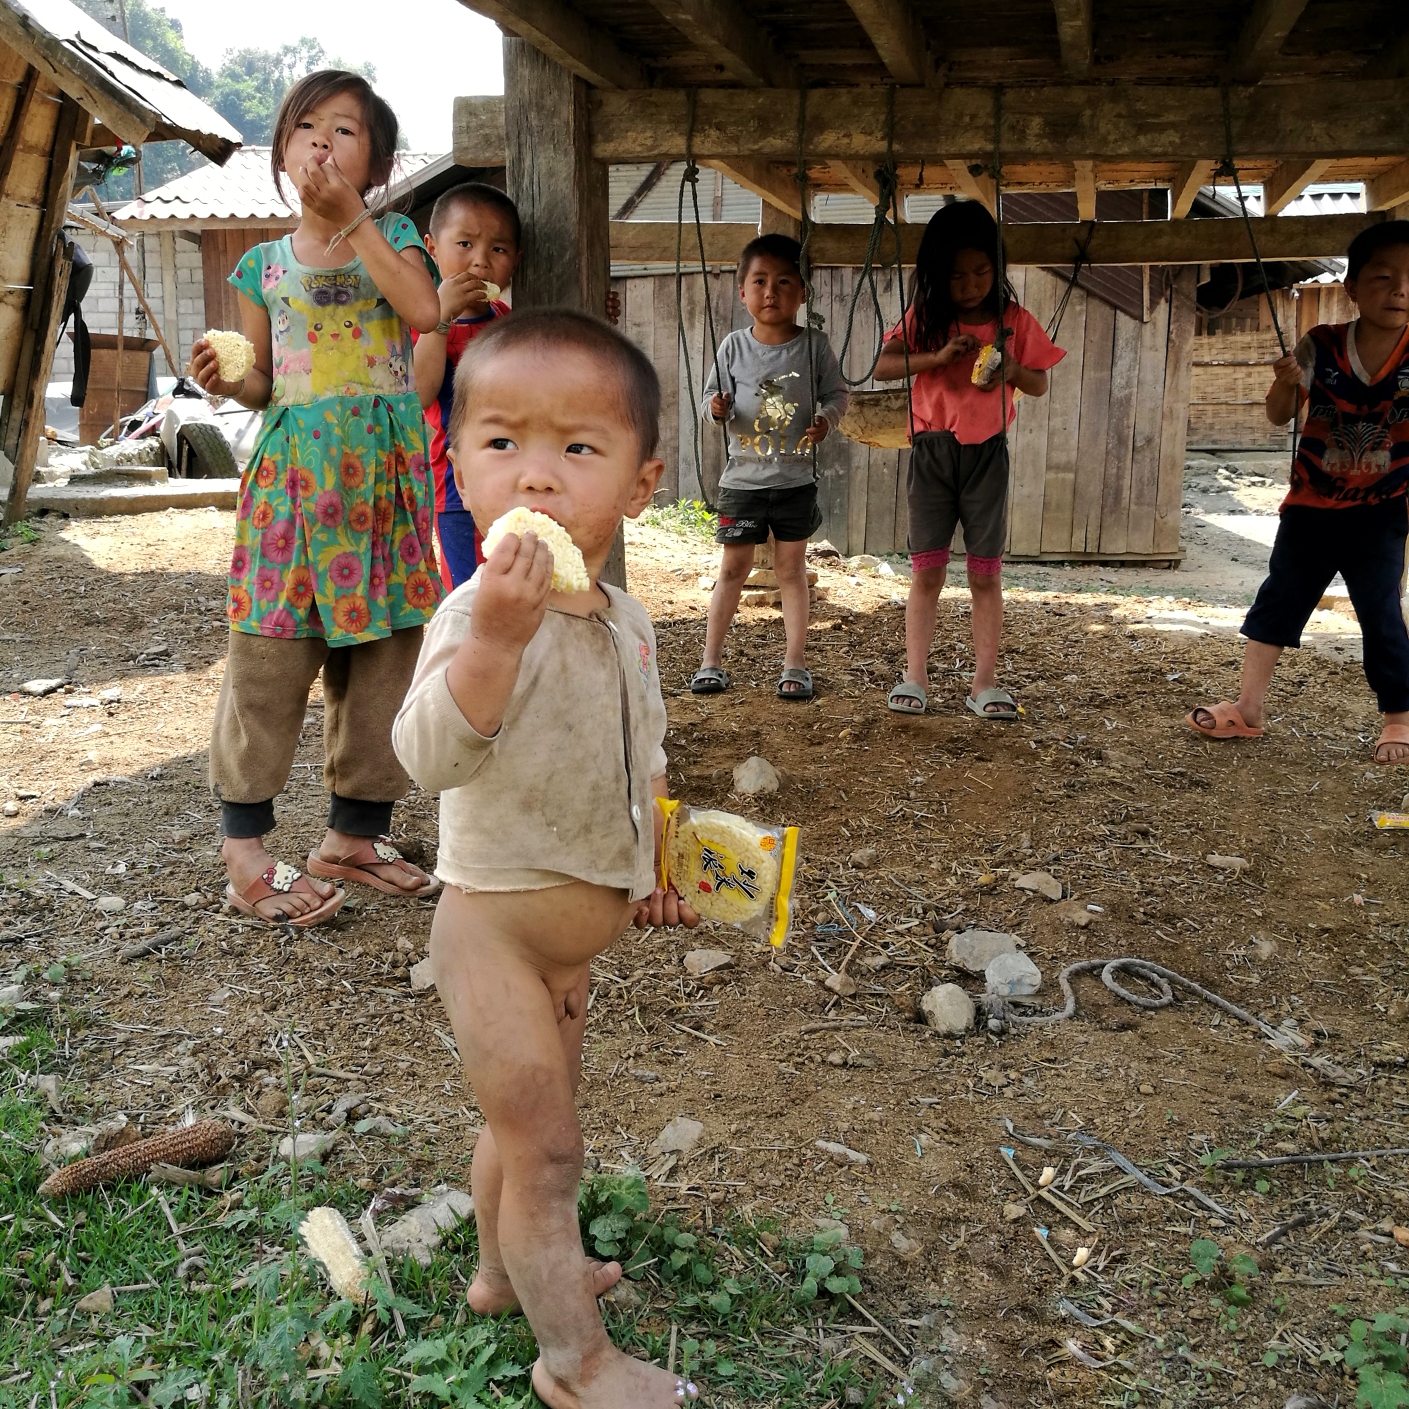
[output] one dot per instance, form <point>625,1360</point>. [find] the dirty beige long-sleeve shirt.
<point>564,788</point>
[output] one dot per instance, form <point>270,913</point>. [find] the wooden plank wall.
<point>221,251</point>
<point>1098,463</point>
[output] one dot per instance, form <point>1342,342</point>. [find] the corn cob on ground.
<point>569,571</point>
<point>326,1235</point>
<point>202,1143</point>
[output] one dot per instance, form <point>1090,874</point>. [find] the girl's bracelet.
<point>347,229</point>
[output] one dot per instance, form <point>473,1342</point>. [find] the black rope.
<point>1000,342</point>
<point>814,321</point>
<point>1055,323</point>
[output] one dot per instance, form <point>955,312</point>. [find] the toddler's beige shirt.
<point>565,785</point>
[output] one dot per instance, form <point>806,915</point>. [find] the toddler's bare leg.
<point>506,1006</point>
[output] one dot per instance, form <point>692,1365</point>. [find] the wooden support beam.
<point>895,31</point>
<point>1074,36</point>
<point>728,36</point>
<point>976,188</point>
<point>1192,177</point>
<point>1287,182</point>
<point>1213,241</point>
<point>1085,173</point>
<point>770,185</point>
<point>647,184</point>
<point>18,117</point>
<point>477,132</point>
<point>22,420</point>
<point>1262,38</point>
<point>568,38</point>
<point>1328,119</point>
<point>1390,189</point>
<point>771,221</point>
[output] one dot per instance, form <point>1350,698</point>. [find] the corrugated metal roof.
<point>243,189</point>
<point>720,198</point>
<point>133,96</point>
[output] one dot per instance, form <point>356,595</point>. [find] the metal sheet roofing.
<point>133,96</point>
<point>242,189</point>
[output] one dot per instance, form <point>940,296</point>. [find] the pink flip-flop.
<point>377,851</point>
<point>1228,722</point>
<point>283,879</point>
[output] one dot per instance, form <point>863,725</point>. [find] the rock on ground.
<point>842,1154</point>
<point>311,1146</point>
<point>1041,883</point>
<point>706,961</point>
<point>417,1233</point>
<point>422,976</point>
<point>974,950</point>
<point>948,1010</point>
<point>98,1303</point>
<point>680,1136</point>
<point>755,775</point>
<point>1013,976</point>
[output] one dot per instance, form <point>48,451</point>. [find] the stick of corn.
<point>199,1144</point>
<point>987,365</point>
<point>234,353</point>
<point>491,289</point>
<point>569,571</point>
<point>326,1235</point>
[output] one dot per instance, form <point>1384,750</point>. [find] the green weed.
<point>687,517</point>
<point>1375,1351</point>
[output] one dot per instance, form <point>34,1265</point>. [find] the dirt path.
<point>1098,784</point>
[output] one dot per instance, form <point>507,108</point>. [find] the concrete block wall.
<point>182,323</point>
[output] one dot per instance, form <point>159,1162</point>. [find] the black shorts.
<point>747,515</point>
<point>950,483</point>
<point>1365,545</point>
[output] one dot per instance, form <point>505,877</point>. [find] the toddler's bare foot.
<point>492,1294</point>
<point>616,1382</point>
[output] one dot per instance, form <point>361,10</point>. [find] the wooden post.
<point>23,417</point>
<point>561,193</point>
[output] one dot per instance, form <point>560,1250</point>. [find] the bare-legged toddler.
<point>538,716</point>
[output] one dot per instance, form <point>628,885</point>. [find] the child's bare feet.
<point>247,859</point>
<point>614,1381</point>
<point>491,1293</point>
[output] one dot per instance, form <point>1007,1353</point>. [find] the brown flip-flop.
<point>377,851</point>
<point>1228,722</point>
<point>1391,734</point>
<point>283,879</point>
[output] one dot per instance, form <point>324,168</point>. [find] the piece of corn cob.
<point>326,1235</point>
<point>569,571</point>
<point>190,1145</point>
<point>987,365</point>
<point>234,353</point>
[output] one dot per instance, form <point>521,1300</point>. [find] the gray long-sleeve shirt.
<point>773,406</point>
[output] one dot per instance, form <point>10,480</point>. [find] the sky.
<point>426,52</point>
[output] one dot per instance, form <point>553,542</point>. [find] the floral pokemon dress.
<point>333,532</point>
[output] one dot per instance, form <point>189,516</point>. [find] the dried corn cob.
<point>234,353</point>
<point>987,365</point>
<point>569,571</point>
<point>492,289</point>
<point>326,1235</point>
<point>202,1143</point>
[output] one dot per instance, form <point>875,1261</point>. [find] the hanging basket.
<point>879,418</point>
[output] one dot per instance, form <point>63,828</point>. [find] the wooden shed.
<point>65,84</point>
<point>1069,96</point>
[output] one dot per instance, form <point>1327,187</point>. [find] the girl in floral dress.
<point>333,567</point>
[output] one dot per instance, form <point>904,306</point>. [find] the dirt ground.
<point>911,828</point>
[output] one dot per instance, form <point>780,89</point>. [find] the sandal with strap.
<point>1228,722</point>
<point>907,698</point>
<point>1391,734</point>
<point>283,879</point>
<point>709,680</point>
<point>1006,712</point>
<point>795,675</point>
<point>376,851</point>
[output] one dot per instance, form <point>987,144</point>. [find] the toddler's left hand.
<point>325,191</point>
<point>664,908</point>
<point>817,431</point>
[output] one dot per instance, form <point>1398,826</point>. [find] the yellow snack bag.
<point>730,869</point>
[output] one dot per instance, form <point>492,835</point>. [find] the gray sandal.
<point>709,680</point>
<point>907,698</point>
<point>795,675</point>
<point>1005,714</point>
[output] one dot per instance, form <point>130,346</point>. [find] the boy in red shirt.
<point>1346,509</point>
<point>475,237</point>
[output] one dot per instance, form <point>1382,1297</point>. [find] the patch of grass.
<point>251,1324</point>
<point>687,517</point>
<point>23,532</point>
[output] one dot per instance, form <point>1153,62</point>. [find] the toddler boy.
<point>1346,510</point>
<point>779,389</point>
<point>474,238</point>
<point>538,717</point>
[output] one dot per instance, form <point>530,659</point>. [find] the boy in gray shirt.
<point>779,390</point>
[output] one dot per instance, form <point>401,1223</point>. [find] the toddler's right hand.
<point>719,405</point>
<point>205,371</point>
<point>1286,371</point>
<point>513,593</point>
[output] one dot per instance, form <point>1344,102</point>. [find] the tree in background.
<point>245,90</point>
